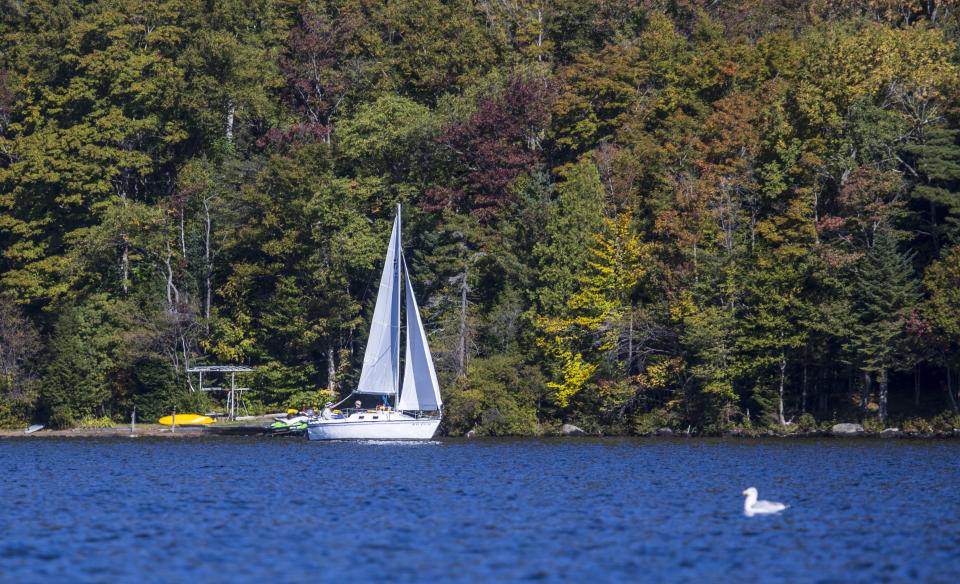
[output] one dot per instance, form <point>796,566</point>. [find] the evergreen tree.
<point>572,219</point>
<point>74,382</point>
<point>942,311</point>
<point>886,293</point>
<point>937,169</point>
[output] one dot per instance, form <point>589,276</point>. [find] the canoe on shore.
<point>186,420</point>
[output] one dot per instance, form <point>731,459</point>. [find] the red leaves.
<point>916,325</point>
<point>304,133</point>
<point>311,64</point>
<point>494,146</point>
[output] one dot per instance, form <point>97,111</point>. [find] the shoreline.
<point>187,432</point>
<point>143,430</point>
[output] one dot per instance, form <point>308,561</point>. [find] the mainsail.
<point>381,361</point>
<point>420,388</point>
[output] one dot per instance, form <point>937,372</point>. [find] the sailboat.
<point>416,410</point>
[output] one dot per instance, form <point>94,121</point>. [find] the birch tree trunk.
<point>208,263</point>
<point>882,383</point>
<point>231,112</point>
<point>865,396</point>
<point>783,374</point>
<point>803,394</point>
<point>331,369</point>
<point>462,333</point>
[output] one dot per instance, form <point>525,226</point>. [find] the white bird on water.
<point>751,506</point>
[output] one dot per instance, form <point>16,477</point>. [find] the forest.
<point>623,214</point>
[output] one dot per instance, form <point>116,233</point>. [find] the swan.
<point>751,506</point>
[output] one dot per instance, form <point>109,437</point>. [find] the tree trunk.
<point>630,345</point>
<point>816,216</point>
<point>540,28</point>
<point>331,370</point>
<point>783,370</point>
<point>462,333</point>
<point>865,396</point>
<point>125,266</point>
<point>183,233</point>
<point>803,394</point>
<point>173,295</point>
<point>950,396</point>
<point>882,382</point>
<point>125,254</point>
<point>208,263</point>
<point>186,360</point>
<point>231,112</point>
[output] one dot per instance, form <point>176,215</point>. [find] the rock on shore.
<point>571,430</point>
<point>846,430</point>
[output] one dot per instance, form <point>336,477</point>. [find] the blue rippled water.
<point>254,509</point>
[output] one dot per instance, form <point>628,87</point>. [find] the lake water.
<point>558,510</point>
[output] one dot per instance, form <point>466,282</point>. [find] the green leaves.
<point>886,293</point>
<point>610,209</point>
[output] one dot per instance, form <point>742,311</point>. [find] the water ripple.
<point>243,509</point>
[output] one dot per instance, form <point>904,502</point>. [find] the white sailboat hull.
<point>406,428</point>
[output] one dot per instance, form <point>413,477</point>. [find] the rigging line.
<point>341,401</point>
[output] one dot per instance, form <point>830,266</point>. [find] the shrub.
<point>498,396</point>
<point>649,422</point>
<point>806,423</point>
<point>946,422</point>
<point>917,425</point>
<point>308,399</point>
<point>96,422</point>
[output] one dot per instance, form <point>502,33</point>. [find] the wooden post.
<point>133,420</point>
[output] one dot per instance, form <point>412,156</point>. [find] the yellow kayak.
<point>186,420</point>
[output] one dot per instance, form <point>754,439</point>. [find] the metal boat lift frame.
<point>234,393</point>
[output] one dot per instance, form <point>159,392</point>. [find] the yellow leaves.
<point>847,64</point>
<point>620,259</point>
<point>684,307</point>
<point>660,374</point>
<point>574,370</point>
<point>595,315</point>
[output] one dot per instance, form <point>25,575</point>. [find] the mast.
<point>397,275</point>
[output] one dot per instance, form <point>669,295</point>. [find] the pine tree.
<point>938,183</point>
<point>573,217</point>
<point>886,292</point>
<point>74,384</point>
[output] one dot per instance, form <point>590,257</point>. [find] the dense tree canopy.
<point>621,214</point>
